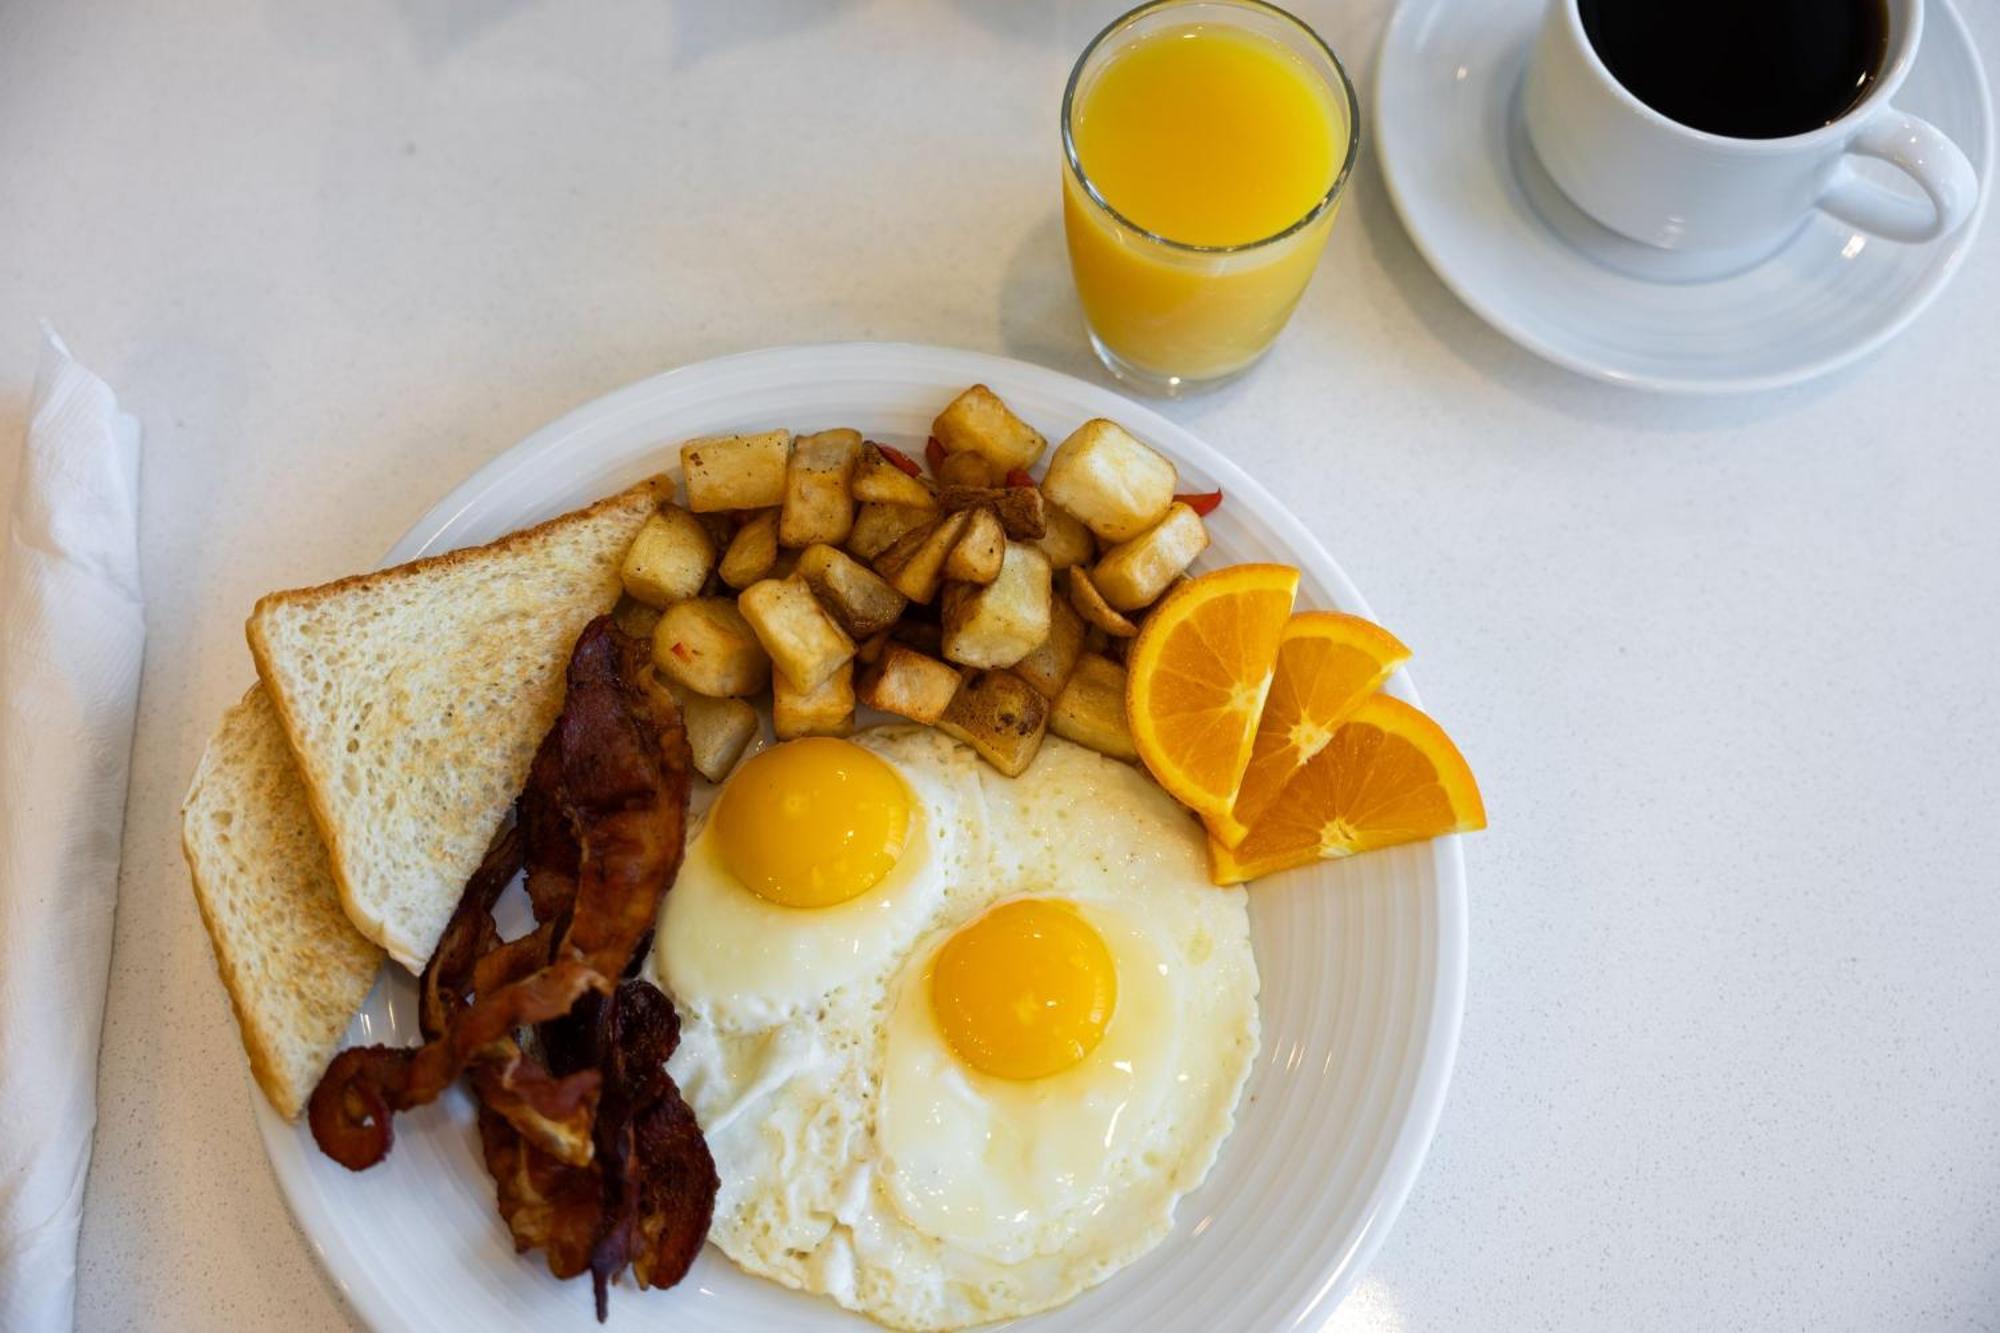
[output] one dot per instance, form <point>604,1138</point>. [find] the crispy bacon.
<point>595,1156</point>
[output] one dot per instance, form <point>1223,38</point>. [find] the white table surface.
<point>1726,668</point>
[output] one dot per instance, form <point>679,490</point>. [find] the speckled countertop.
<point>1725,667</point>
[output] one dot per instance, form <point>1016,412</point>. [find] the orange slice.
<point>1389,775</point>
<point>1327,664</point>
<point>1197,675</point>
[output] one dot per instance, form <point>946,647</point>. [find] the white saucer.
<point>1552,280</point>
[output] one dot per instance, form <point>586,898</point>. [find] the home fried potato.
<point>978,421</point>
<point>1117,485</point>
<point>819,504</point>
<point>1048,663</point>
<point>668,559</point>
<point>926,636</point>
<point>975,557</point>
<point>1096,612</point>
<point>965,469</point>
<point>635,617</point>
<point>999,715</point>
<point>909,684</point>
<point>880,481</point>
<point>859,599</point>
<point>1000,623</point>
<point>1091,708</point>
<point>803,640</point>
<point>825,710</point>
<point>718,732</point>
<point>752,551</point>
<point>1020,507</point>
<point>1065,541</point>
<point>1133,574</point>
<point>706,645</point>
<point>878,526</point>
<point>914,566</point>
<point>736,471</point>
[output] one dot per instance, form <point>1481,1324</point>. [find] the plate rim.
<point>434,529</point>
<point>1959,245</point>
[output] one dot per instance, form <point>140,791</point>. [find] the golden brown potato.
<point>819,506</point>
<point>736,471</point>
<point>752,551</point>
<point>1118,486</point>
<point>878,526</point>
<point>914,566</point>
<point>1132,574</point>
<point>999,624</point>
<point>804,643</point>
<point>1066,541</point>
<point>1020,508</point>
<point>860,599</point>
<point>706,645</point>
<point>718,731</point>
<point>1096,612</point>
<point>978,421</point>
<point>999,715</point>
<point>635,617</point>
<point>669,559</point>
<point>825,710</point>
<point>975,558</point>
<point>878,481</point>
<point>1048,663</point>
<point>909,684</point>
<point>869,651</point>
<point>966,469</point>
<point>1091,708</point>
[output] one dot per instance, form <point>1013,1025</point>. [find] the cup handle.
<point>1920,151</point>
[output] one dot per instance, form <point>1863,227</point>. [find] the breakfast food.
<point>851,944</point>
<point>411,756</point>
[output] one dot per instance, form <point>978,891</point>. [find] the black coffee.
<point>1750,69</point>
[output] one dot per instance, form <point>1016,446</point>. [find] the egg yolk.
<point>812,822</point>
<point>1025,991</point>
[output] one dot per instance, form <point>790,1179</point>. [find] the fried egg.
<point>985,1115</point>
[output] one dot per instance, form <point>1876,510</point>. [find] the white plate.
<point>1445,89</point>
<point>1363,962</point>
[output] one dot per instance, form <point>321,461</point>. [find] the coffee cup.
<point>1740,189</point>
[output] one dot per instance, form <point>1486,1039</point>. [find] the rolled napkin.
<point>72,632</point>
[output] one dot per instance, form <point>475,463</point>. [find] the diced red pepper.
<point>1203,504</point>
<point>1018,476</point>
<point>934,453</point>
<point>682,651</point>
<point>904,463</point>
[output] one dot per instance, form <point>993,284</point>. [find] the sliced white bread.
<point>295,967</point>
<point>414,699</point>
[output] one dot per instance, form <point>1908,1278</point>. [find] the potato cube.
<point>869,651</point>
<point>976,556</point>
<point>909,684</point>
<point>966,469</point>
<point>718,732</point>
<point>1133,573</point>
<point>914,566</point>
<point>1091,708</point>
<point>635,617</point>
<point>1065,541</point>
<point>1048,663</point>
<point>706,645</point>
<point>805,644</point>
<point>1021,509</point>
<point>999,624</point>
<point>819,506</point>
<point>860,599</point>
<point>752,551</point>
<point>669,560</point>
<point>1118,486</point>
<point>879,481</point>
<point>825,710</point>
<point>736,471</point>
<point>877,527</point>
<point>1096,612</point>
<point>978,421</point>
<point>999,715</point>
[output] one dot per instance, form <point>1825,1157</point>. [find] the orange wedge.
<point>1389,775</point>
<point>1197,675</point>
<point>1327,664</point>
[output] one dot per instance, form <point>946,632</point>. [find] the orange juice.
<point>1204,164</point>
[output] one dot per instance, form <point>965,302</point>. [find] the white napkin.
<point>72,631</point>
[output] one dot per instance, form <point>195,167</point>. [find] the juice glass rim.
<point>1345,87</point>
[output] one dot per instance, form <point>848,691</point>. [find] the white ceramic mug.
<point>1666,185</point>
